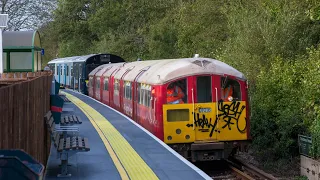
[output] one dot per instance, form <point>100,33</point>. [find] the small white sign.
<point>3,20</point>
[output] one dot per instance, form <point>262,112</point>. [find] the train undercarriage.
<point>209,151</point>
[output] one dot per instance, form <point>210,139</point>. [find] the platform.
<point>119,148</point>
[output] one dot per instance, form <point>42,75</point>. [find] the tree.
<point>27,14</point>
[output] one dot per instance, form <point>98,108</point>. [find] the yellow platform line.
<point>131,164</point>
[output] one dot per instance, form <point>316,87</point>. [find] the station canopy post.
<point>3,24</point>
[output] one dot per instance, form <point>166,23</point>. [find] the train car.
<point>73,72</point>
<point>198,106</point>
<point>101,76</point>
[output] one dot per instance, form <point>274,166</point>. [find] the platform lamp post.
<point>3,24</point>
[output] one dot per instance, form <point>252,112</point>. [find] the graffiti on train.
<point>228,116</point>
<point>204,124</point>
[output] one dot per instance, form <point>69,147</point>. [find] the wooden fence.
<point>24,100</point>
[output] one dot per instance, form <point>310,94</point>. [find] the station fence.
<point>24,101</point>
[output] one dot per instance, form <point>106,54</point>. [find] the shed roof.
<point>21,39</point>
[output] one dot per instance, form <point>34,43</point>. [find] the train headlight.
<point>230,98</point>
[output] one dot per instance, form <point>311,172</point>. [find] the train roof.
<point>109,67</point>
<point>84,58</point>
<point>162,71</point>
<point>64,59</point>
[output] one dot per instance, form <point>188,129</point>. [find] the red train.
<point>198,106</point>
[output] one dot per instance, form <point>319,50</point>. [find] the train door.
<point>80,78</point>
<point>178,119</point>
<point>136,97</point>
<point>122,85</point>
<point>65,74</point>
<point>105,81</point>
<point>231,110</point>
<point>59,73</point>
<point>75,76</point>
<point>71,77</point>
<point>204,109</point>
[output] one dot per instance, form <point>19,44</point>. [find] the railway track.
<point>242,170</point>
<point>234,169</point>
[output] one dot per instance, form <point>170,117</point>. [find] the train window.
<point>138,93</point>
<point>61,71</point>
<point>116,87</point>
<point>106,82</point>
<point>174,115</point>
<point>204,92</point>
<point>128,90</point>
<point>125,90</point>
<point>143,95</point>
<point>98,82</point>
<point>90,82</point>
<point>230,89</point>
<point>177,92</point>
<point>148,95</point>
<point>67,70</point>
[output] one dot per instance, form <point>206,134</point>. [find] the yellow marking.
<point>125,158</point>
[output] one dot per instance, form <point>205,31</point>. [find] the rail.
<point>245,171</point>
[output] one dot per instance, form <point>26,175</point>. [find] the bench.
<point>67,120</point>
<point>65,99</point>
<point>63,129</point>
<point>66,146</point>
<point>70,120</point>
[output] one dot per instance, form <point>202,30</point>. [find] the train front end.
<point>206,116</point>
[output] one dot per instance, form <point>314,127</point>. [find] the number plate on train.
<point>204,110</point>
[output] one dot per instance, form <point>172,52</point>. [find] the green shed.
<point>21,51</point>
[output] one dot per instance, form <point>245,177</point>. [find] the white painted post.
<point>3,24</point>
<point>1,50</point>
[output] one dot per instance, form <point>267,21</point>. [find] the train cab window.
<point>106,83</point>
<point>177,92</point>
<point>230,89</point>
<point>204,92</point>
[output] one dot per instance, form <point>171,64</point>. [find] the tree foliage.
<point>274,43</point>
<point>27,14</point>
